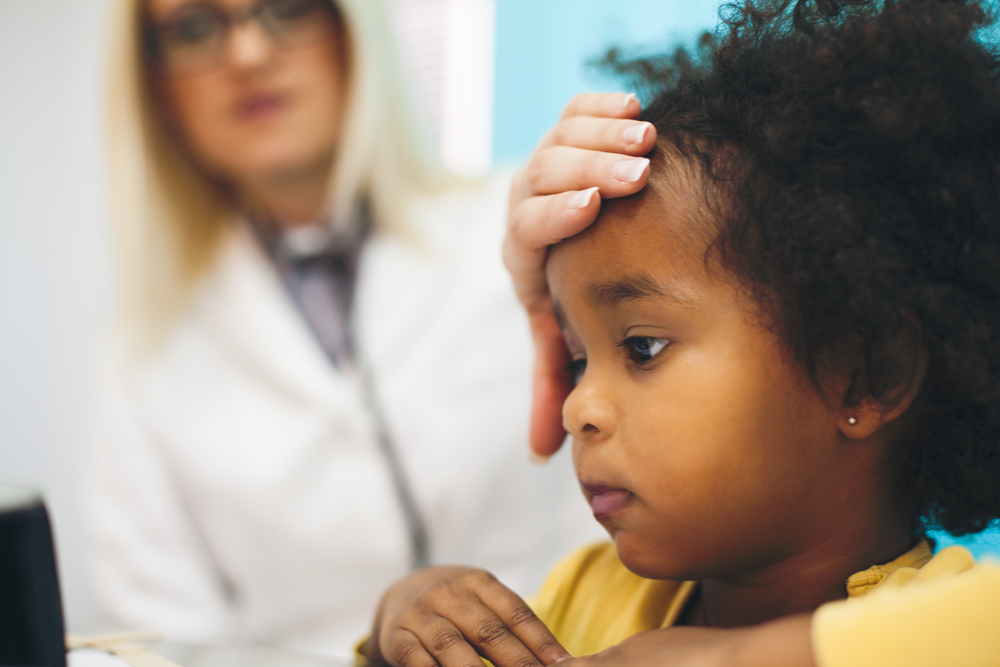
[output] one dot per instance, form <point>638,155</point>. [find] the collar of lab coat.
<point>401,302</point>
<point>245,306</point>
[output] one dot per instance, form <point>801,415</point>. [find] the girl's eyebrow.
<point>634,287</point>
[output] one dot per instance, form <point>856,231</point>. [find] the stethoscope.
<point>415,525</point>
<point>414,522</point>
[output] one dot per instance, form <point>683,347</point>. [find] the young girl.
<point>785,348</point>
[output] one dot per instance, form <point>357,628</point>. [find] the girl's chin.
<point>642,558</point>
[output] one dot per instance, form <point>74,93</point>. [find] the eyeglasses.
<point>193,41</point>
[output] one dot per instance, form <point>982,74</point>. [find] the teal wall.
<point>983,544</point>
<point>543,47</point>
<point>542,50</point>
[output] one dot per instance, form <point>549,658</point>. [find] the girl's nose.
<point>587,415</point>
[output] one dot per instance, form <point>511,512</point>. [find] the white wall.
<point>447,49</point>
<point>53,255</point>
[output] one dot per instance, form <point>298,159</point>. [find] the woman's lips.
<point>259,107</point>
<point>605,500</point>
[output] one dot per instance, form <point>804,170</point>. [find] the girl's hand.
<point>593,153</point>
<point>781,643</point>
<point>450,616</point>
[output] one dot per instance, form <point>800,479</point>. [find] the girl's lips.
<point>606,500</point>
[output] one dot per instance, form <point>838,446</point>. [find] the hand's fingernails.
<point>628,99</point>
<point>562,658</point>
<point>629,171</point>
<point>635,134</point>
<point>537,459</point>
<point>581,199</point>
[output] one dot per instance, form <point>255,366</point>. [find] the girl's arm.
<point>782,643</point>
<point>596,144</point>
<point>450,616</point>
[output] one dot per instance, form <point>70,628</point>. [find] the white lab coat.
<point>236,489</point>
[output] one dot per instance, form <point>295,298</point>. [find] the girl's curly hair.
<point>857,146</point>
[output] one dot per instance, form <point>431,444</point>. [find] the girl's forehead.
<point>658,232</point>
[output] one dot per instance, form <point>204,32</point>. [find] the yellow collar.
<point>900,571</point>
<point>895,572</point>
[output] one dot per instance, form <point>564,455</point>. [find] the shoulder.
<point>238,330</point>
<point>448,277</point>
<point>918,564</point>
<point>465,199</point>
<point>944,613</point>
<point>468,212</point>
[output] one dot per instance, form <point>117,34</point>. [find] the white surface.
<point>208,656</point>
<point>85,657</point>
<point>53,256</point>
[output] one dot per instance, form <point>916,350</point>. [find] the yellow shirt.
<point>948,613</point>
<point>591,601</point>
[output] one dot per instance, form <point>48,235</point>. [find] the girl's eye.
<point>575,369</point>
<point>642,349</point>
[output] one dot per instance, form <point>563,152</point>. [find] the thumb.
<point>550,386</point>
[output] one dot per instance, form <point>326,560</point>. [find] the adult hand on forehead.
<point>594,153</point>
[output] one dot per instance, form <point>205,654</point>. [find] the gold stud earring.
<point>852,420</point>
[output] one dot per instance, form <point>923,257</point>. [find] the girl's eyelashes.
<point>575,369</point>
<point>640,350</point>
<point>643,349</point>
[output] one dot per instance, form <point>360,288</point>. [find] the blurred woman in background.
<point>320,375</point>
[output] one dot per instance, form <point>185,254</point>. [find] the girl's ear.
<point>864,411</point>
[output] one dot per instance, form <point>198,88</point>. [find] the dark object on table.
<point>31,621</point>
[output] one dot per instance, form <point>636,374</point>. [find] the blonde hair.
<point>169,218</point>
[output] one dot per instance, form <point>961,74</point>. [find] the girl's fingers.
<point>535,224</point>
<point>445,644</point>
<point>494,640</point>
<point>508,632</point>
<point>449,616</point>
<point>606,105</point>
<point>561,168</point>
<point>627,137</point>
<point>405,650</point>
